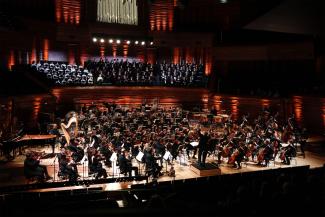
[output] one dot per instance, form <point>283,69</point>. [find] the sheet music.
<point>113,157</point>
<point>139,156</point>
<point>85,158</point>
<point>167,155</point>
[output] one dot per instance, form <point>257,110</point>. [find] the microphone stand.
<point>54,167</point>
<point>113,167</point>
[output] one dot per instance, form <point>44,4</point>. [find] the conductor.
<point>203,143</point>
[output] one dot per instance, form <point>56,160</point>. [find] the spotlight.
<point>118,41</point>
<point>143,43</point>
<point>102,40</point>
<point>223,1</point>
<point>110,41</point>
<point>136,42</point>
<point>94,39</point>
<point>151,43</point>
<point>128,42</point>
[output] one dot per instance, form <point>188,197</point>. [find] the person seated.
<point>152,167</point>
<point>33,168</point>
<point>67,168</point>
<point>97,166</point>
<point>290,151</point>
<point>172,172</point>
<point>125,164</point>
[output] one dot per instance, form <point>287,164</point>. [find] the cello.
<point>233,157</point>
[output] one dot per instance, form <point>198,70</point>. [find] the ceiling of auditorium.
<point>176,15</point>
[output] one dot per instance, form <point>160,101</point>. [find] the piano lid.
<point>35,137</point>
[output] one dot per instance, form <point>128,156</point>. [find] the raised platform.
<point>209,169</point>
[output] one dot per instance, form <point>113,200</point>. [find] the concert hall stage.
<point>68,98</point>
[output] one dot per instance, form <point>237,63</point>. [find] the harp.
<point>69,131</point>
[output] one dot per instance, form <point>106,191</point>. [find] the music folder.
<point>166,155</point>
<point>113,157</point>
<point>139,156</point>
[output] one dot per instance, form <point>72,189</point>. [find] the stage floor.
<point>11,173</point>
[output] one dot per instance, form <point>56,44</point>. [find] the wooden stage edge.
<point>192,171</point>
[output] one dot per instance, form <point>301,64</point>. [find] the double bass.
<point>260,155</point>
<point>233,157</point>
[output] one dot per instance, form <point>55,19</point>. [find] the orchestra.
<point>98,132</point>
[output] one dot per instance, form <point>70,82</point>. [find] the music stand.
<point>54,167</point>
<point>83,160</point>
<point>113,159</point>
<point>166,157</point>
<point>139,158</point>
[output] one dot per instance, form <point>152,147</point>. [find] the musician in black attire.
<point>97,166</point>
<point>189,148</point>
<point>152,166</point>
<point>126,164</point>
<point>67,168</point>
<point>289,153</point>
<point>303,140</point>
<point>77,152</point>
<point>55,131</point>
<point>241,154</point>
<point>214,111</point>
<point>203,148</point>
<point>159,150</point>
<point>33,168</point>
<point>268,152</point>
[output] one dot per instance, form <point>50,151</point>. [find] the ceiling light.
<point>136,42</point>
<point>110,41</point>
<point>151,43</point>
<point>118,41</point>
<point>94,39</point>
<point>128,42</point>
<point>102,40</point>
<point>143,43</point>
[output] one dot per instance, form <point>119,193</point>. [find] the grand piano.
<point>27,140</point>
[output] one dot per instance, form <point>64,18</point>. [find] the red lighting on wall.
<point>234,107</point>
<point>83,56</point>
<point>46,49</point>
<point>176,55</point>
<point>114,50</point>
<point>71,56</point>
<point>162,15</point>
<point>11,59</point>
<point>150,56</point>
<point>33,53</point>
<point>69,10</point>
<point>125,50</point>
<point>265,103</point>
<point>36,107</point>
<point>297,106</point>
<point>188,55</point>
<point>217,103</point>
<point>208,62</point>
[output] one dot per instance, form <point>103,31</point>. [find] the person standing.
<point>203,146</point>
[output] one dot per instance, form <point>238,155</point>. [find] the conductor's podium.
<point>209,169</point>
